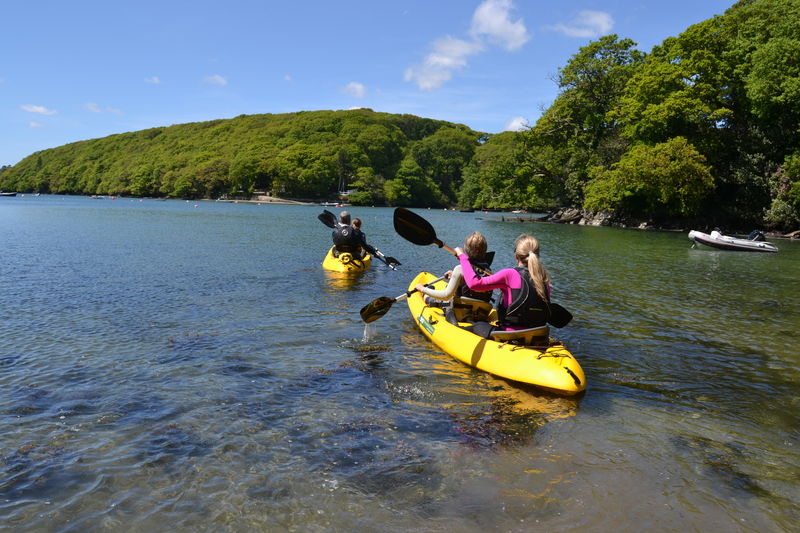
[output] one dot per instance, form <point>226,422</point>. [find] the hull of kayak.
<point>551,367</point>
<point>345,262</point>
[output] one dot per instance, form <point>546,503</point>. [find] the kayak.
<point>724,242</point>
<point>345,262</point>
<point>537,360</point>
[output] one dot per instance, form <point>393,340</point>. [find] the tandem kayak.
<point>724,242</point>
<point>537,360</point>
<point>345,262</point>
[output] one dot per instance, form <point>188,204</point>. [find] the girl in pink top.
<point>525,290</point>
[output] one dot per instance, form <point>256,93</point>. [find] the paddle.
<point>417,230</point>
<point>329,219</point>
<point>559,317</point>
<point>390,261</point>
<point>380,306</point>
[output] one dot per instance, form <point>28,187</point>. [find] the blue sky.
<point>82,69</point>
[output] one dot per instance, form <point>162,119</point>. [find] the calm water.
<point>189,366</point>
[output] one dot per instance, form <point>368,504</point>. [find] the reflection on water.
<point>159,364</point>
<point>342,281</point>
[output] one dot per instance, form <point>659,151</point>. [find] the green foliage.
<point>579,131</point>
<point>731,86</point>
<point>496,177</point>
<point>412,187</point>
<point>442,155</point>
<point>303,155</point>
<point>785,191</point>
<point>369,187</point>
<point>666,179</point>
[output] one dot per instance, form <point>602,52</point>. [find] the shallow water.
<point>190,364</point>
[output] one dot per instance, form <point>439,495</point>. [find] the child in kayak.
<point>361,239</point>
<point>525,290</point>
<point>475,246</point>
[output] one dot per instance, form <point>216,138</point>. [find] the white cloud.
<point>34,124</point>
<point>42,110</point>
<point>355,89</point>
<point>287,77</point>
<point>491,23</point>
<point>491,18</point>
<point>587,24</point>
<point>153,79</point>
<point>517,124</point>
<point>448,54</point>
<point>94,108</point>
<point>216,79</point>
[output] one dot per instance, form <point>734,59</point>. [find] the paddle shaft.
<point>380,306</point>
<point>412,291</point>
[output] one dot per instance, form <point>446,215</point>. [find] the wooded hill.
<point>399,159</point>
<point>706,126</point>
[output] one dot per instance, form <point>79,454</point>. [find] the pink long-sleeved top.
<point>505,280</point>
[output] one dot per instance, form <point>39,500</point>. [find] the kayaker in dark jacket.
<point>525,290</point>
<point>344,238</point>
<point>475,246</point>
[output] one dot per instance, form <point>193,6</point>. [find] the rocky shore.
<point>582,217</point>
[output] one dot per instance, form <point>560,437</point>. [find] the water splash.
<point>370,331</point>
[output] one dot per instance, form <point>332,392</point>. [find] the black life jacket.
<point>465,292</point>
<point>345,240</point>
<point>527,309</point>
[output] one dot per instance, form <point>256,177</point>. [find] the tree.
<point>578,131</point>
<point>412,187</point>
<point>441,157</point>
<point>369,188</point>
<point>668,179</point>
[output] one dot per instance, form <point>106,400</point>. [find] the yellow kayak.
<point>542,361</point>
<point>345,262</point>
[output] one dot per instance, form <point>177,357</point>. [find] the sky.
<point>83,69</point>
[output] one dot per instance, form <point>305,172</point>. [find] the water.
<point>190,365</point>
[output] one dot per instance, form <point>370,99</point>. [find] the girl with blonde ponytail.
<point>526,251</point>
<point>525,289</point>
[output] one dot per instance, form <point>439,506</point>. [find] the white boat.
<point>717,240</point>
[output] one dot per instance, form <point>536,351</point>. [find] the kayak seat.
<point>527,337</point>
<point>472,309</point>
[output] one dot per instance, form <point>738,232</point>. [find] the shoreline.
<point>263,199</point>
<point>583,220</point>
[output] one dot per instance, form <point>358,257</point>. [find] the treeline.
<point>384,158</point>
<point>704,126</point>
<point>707,125</point>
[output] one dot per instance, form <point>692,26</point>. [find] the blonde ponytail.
<point>526,250</point>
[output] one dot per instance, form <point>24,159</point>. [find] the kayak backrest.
<point>471,309</point>
<point>528,337</point>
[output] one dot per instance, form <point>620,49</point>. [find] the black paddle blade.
<point>393,261</point>
<point>376,309</point>
<point>414,228</point>
<point>559,317</point>
<point>327,218</point>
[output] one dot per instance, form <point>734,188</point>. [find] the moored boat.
<point>723,242</point>
<point>345,262</point>
<point>527,356</point>
<point>7,193</point>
